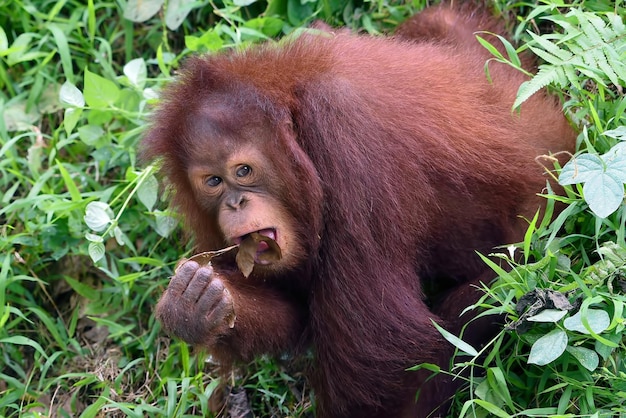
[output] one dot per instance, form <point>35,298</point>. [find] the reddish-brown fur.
<point>396,160</point>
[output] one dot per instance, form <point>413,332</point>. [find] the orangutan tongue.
<point>262,245</point>
<point>258,247</point>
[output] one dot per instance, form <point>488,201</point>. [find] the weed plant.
<point>87,241</point>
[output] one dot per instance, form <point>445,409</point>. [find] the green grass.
<point>87,242</point>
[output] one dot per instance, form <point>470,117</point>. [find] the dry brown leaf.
<point>204,258</point>
<point>248,252</point>
<point>246,255</point>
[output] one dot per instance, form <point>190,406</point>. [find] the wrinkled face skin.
<point>230,167</point>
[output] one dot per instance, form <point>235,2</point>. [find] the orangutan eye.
<point>243,171</point>
<point>213,181</point>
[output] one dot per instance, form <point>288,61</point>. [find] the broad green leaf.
<point>548,348</point>
<point>621,146</point>
<point>615,160</point>
<point>150,94</point>
<point>604,193</point>
<point>548,315</point>
<point>598,321</point>
<point>486,393</point>
<point>90,134</point>
<point>165,224</point>
<point>148,192</point>
<point>70,119</point>
<point>71,95</point>
<point>96,251</point>
<point>605,350</point>
<point>581,169</point>
<point>177,11</point>
<point>298,12</point>
<point>99,92</point>
<point>617,133</point>
<point>142,10</point>
<point>98,215</point>
<point>588,358</point>
<point>603,179</point>
<point>119,235</point>
<point>136,72</point>
<point>93,237</point>
<point>269,26</point>
<point>209,40</point>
